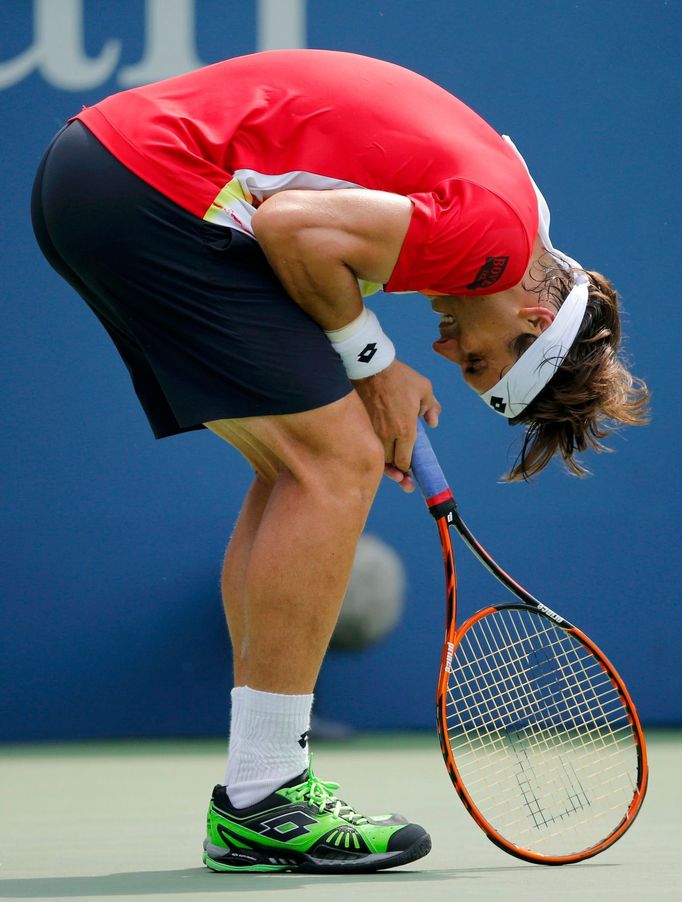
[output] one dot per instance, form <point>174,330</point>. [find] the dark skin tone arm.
<point>319,243</point>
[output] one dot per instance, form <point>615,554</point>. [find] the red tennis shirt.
<point>221,140</point>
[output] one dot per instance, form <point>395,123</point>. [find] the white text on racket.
<point>550,613</point>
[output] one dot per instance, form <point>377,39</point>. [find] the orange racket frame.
<point>443,508</point>
<point>453,636</point>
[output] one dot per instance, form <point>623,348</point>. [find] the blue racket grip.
<point>429,476</point>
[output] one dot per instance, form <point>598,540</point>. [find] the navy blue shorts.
<point>204,326</point>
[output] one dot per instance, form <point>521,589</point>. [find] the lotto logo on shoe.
<point>367,352</point>
<point>288,825</point>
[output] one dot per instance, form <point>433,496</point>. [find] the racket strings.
<point>541,737</point>
<point>509,697</point>
<point>500,705</point>
<point>513,685</point>
<point>532,699</point>
<point>526,697</point>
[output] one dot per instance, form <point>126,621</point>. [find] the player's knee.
<point>353,472</point>
<point>366,458</point>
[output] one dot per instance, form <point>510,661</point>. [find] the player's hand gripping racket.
<point>540,737</point>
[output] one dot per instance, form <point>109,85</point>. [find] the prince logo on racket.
<point>546,610</point>
<point>254,204</point>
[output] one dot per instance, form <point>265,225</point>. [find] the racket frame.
<point>443,508</point>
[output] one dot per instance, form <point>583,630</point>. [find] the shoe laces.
<point>319,794</point>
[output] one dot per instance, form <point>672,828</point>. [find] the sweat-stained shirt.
<point>220,140</point>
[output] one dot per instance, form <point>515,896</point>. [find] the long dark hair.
<point>591,394</point>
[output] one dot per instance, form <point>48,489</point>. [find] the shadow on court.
<point>200,880</point>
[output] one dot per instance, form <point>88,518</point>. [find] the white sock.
<point>268,743</point>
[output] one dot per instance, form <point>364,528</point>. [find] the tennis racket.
<point>539,734</point>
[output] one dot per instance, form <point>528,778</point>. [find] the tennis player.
<point>225,226</point>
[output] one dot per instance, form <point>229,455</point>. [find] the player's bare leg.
<point>234,570</point>
<point>284,577</point>
<point>293,548</point>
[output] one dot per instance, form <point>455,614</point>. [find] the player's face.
<point>477,333</point>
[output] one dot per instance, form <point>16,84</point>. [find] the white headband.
<point>536,366</point>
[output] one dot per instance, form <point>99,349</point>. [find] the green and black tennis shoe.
<point>303,826</point>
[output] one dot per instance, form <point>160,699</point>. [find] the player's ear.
<point>538,318</point>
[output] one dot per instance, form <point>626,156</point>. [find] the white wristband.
<point>366,351</point>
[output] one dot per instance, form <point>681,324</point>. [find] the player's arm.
<point>320,243</point>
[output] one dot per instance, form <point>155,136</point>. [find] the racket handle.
<point>429,476</point>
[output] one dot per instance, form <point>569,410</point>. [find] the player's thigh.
<point>333,442</point>
<point>264,462</point>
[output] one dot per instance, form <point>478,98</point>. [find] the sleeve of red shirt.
<point>462,239</point>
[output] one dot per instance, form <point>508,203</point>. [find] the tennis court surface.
<point>124,820</point>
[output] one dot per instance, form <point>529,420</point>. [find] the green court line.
<point>364,741</point>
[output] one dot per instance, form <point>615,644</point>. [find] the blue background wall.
<point>111,620</point>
